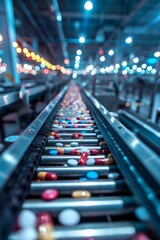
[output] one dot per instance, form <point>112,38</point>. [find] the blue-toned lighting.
<point>79,52</point>
<point>128,40</point>
<point>157,54</point>
<point>124,63</point>
<point>136,60</point>
<point>102,58</point>
<point>82,39</point>
<point>111,52</point>
<point>88,5</point>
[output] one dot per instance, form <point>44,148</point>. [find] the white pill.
<point>72,162</point>
<point>59,144</point>
<point>113,175</point>
<point>51,137</point>
<point>55,125</point>
<point>27,219</point>
<point>90,162</point>
<point>27,234</point>
<point>65,165</point>
<point>85,150</point>
<point>69,217</point>
<point>74,144</point>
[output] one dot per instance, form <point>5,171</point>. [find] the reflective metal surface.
<point>11,157</point>
<point>149,159</point>
<point>67,186</point>
<point>9,98</point>
<point>93,206</point>
<point>99,231</point>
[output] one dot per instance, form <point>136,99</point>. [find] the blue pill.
<point>83,179</point>
<point>92,175</point>
<point>53,152</point>
<point>83,132</point>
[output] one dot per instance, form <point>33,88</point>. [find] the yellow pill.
<point>102,143</point>
<point>81,194</point>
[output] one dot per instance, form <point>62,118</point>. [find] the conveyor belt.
<point>110,211</point>
<point>148,132</point>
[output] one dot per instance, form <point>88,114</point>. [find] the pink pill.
<point>49,194</point>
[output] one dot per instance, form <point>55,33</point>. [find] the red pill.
<point>104,161</point>
<point>47,176</point>
<point>49,194</point>
<point>75,135</point>
<point>141,236</point>
<point>94,151</point>
<point>75,152</point>
<point>60,151</point>
<point>43,218</point>
<point>105,151</point>
<point>56,136</point>
<point>83,158</point>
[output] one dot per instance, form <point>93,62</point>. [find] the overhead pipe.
<point>54,9</point>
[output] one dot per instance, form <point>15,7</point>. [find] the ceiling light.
<point>124,63</point>
<point>76,65</point>
<point>77,58</point>
<point>131,71</point>
<point>15,44</point>
<point>153,71</point>
<point>111,52</point>
<point>136,60</point>
<point>117,66</point>
<point>82,39</point>
<point>79,52</point>
<point>144,65</point>
<point>59,17</point>
<point>111,68</point>
<point>102,70</point>
<point>124,72</point>
<point>134,67</point>
<point>139,69</point>
<point>1,38</point>
<point>149,68</point>
<point>128,40</point>
<point>157,54</point>
<point>101,52</point>
<point>102,58</point>
<point>66,61</point>
<point>88,5</point>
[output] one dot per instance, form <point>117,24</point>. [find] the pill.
<point>105,151</point>
<point>85,150</point>
<point>47,176</point>
<point>59,144</point>
<point>102,143</point>
<point>113,175</point>
<point>49,194</point>
<point>81,194</point>
<point>65,165</point>
<point>75,152</point>
<point>31,219</point>
<point>27,234</point>
<point>97,131</point>
<point>104,161</point>
<point>83,179</point>
<point>72,162</point>
<point>51,137</point>
<point>99,136</point>
<point>45,226</point>
<point>142,236</point>
<point>55,125</point>
<point>53,152</point>
<point>142,214</point>
<point>94,151</point>
<point>60,151</point>
<point>74,144</point>
<point>92,175</point>
<point>69,217</point>
<point>110,155</point>
<point>90,162</point>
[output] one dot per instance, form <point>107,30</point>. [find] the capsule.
<point>102,143</point>
<point>92,175</point>
<point>142,236</point>
<point>94,152</point>
<point>105,151</point>
<point>81,194</point>
<point>47,176</point>
<point>77,136</point>
<point>104,161</point>
<point>49,194</point>
<point>83,159</point>
<point>69,217</point>
<point>45,226</point>
<point>60,151</point>
<point>55,135</point>
<point>75,152</point>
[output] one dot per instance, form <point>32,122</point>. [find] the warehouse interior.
<point>79,89</point>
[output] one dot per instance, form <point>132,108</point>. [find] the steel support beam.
<point>9,36</point>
